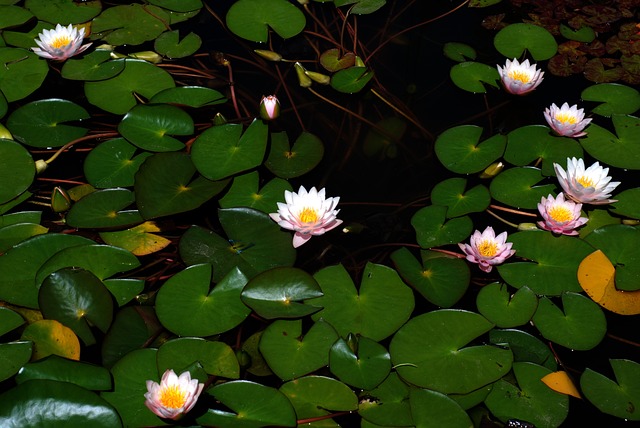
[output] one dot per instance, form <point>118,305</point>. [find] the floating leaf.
<point>451,193</point>
<point>620,398</point>
<point>471,76</point>
<point>615,98</point>
<point>433,230</point>
<point>525,347</point>
<point>361,7</point>
<point>388,403</point>
<point>23,72</point>
<point>628,203</point>
<point>104,208</point>
<point>150,127</point>
<point>351,80</point>
<point>459,149</point>
<point>53,367</point>
<point>14,355</point>
<point>96,65</point>
<point>432,408</point>
<point>623,150</point>
<point>51,337</point>
<point>583,34</point>
<point>289,162</point>
<point>333,59</point>
<point>251,19</point>
<point>139,240</point>
<point>16,233</point>
<point>63,11</point>
<point>131,24</point>
<point>133,328</point>
<point>216,358</point>
<point>315,396</point>
<point>495,304</point>
<point>9,320</point>
<point>170,45</point>
<point>124,289</point>
<point>459,52</point>
<point>113,164</point>
<point>244,192</point>
<point>17,170</point>
<point>192,96</point>
<point>13,16</point>
<point>429,351</point>
<point>514,39</point>
<point>562,383</point>
<point>365,367</point>
<point>517,187</point>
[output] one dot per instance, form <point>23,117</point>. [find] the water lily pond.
<point>327,213</point>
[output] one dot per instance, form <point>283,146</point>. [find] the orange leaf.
<point>562,383</point>
<point>596,275</point>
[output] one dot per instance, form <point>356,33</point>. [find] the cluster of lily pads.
<point>161,283</point>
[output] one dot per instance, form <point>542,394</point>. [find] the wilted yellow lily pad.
<point>562,383</point>
<point>596,275</point>
<point>139,240</point>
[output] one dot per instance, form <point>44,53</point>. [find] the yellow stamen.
<point>560,213</point>
<point>172,397</point>
<point>585,181</point>
<point>60,42</point>
<point>488,248</point>
<point>520,75</point>
<point>308,215</point>
<point>566,118</point>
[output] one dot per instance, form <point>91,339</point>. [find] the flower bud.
<point>41,165</point>
<point>359,62</point>
<point>60,200</point>
<point>219,119</point>
<point>4,133</point>
<point>527,227</point>
<point>305,81</point>
<point>269,107</point>
<point>492,170</point>
<point>150,56</point>
<point>268,55</point>
<point>323,79</point>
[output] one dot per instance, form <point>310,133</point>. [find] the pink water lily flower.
<point>307,213</point>
<point>587,186</point>
<point>487,249</point>
<point>520,79</point>
<point>560,216</point>
<point>60,43</point>
<point>566,121</point>
<point>173,396</point>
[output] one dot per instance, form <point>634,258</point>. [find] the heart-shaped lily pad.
<point>170,45</point>
<point>334,60</point>
<point>290,353</point>
<point>96,65</point>
<point>131,24</point>
<point>496,305</point>
<point>387,404</point>
<point>17,170</point>
<point>351,80</point>
<point>432,408</point>
<point>139,240</point>
<point>15,355</point>
<point>316,396</point>
<point>364,367</point>
<point>517,187</point>
<point>23,72</point>
<point>86,375</point>
<point>628,203</point>
<point>429,351</point>
<point>192,96</point>
<point>525,347</point>
<point>433,230</point>
<point>211,311</point>
<point>288,162</point>
<point>621,397</point>
<point>104,208</point>
<point>51,337</point>
<point>13,16</point>
<point>251,19</point>
<point>216,358</point>
<point>459,52</point>
<point>623,150</point>
<point>451,193</point>
<point>472,76</point>
<point>63,11</point>
<point>113,164</point>
<point>615,98</point>
<point>514,39</point>
<point>150,127</point>
<point>460,150</point>
<point>376,309</point>
<point>244,192</point>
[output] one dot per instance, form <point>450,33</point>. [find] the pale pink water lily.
<point>566,121</point>
<point>560,216</point>
<point>60,43</point>
<point>587,186</point>
<point>487,249</point>
<point>173,396</point>
<point>269,107</point>
<point>520,78</point>
<point>307,213</point>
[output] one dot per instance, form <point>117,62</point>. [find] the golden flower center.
<point>308,215</point>
<point>172,397</point>
<point>488,248</point>
<point>60,42</point>
<point>585,181</point>
<point>560,213</point>
<point>520,75</point>
<point>566,118</point>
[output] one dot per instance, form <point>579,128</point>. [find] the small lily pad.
<point>289,162</point>
<point>170,45</point>
<point>496,305</point>
<point>615,98</point>
<point>351,80</point>
<point>518,187</point>
<point>471,76</point>
<point>460,150</point>
<point>150,127</point>
<point>459,52</point>
<point>433,230</point>
<point>244,192</point>
<point>513,40</point>
<point>113,163</point>
<point>96,65</point>
<point>623,150</point>
<point>451,193</point>
<point>252,19</point>
<point>104,208</point>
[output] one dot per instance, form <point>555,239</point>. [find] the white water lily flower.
<point>566,121</point>
<point>307,213</point>
<point>487,249</point>
<point>587,186</point>
<point>60,43</point>
<point>269,107</point>
<point>520,79</point>
<point>173,396</point>
<point>560,216</point>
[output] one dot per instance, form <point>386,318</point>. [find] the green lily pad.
<point>244,192</point>
<point>580,325</point>
<point>351,80</point>
<point>131,24</point>
<point>25,39</point>
<point>513,40</point>
<point>376,309</point>
<point>41,123</point>
<point>211,311</point>
<point>433,230</point>
<point>17,170</point>
<point>53,367</point>
<point>528,144</point>
<point>281,293</point>
<point>117,94</point>
<point>525,347</point>
<point>551,265</point>
<point>334,59</point>
<point>459,52</point>
<point>628,203</point>
<point>170,45</point>
<point>13,16</point>
<point>51,337</point>
<point>432,408</point>
<point>23,72</point>
<point>267,407</point>
<point>20,217</point>
<point>16,233</point>
<point>615,98</point>
<point>517,187</point>
<point>64,11</point>
<point>9,320</point>
<point>620,398</point>
<point>178,5</point>
<point>623,150</point>
<point>216,358</point>
<point>160,194</point>
<point>104,208</point>
<point>133,328</point>
<point>251,19</point>
<point>124,289</point>
<point>496,305</point>
<point>531,400</point>
<point>459,149</point>
<point>364,367</point>
<point>387,404</point>
<point>314,396</point>
<point>289,162</point>
<point>292,354</point>
<point>443,281</point>
<point>14,356</point>
<point>429,351</point>
<point>41,402</point>
<point>24,261</point>
<point>583,34</point>
<point>254,244</point>
<point>451,193</point>
<point>150,127</point>
<point>192,96</point>
<point>472,76</point>
<point>258,366</point>
<point>113,163</point>
<point>78,299</point>
<point>223,150</point>
<point>96,65</point>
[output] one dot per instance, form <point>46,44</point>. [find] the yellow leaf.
<point>138,240</point>
<point>562,383</point>
<point>596,275</point>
